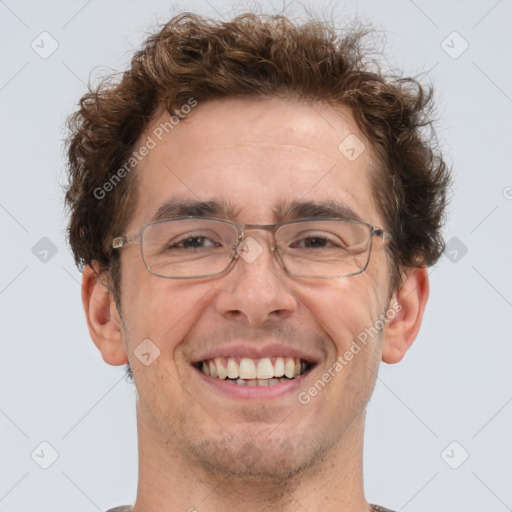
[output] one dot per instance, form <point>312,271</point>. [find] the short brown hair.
<point>257,56</point>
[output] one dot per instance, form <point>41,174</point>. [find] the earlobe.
<point>409,305</point>
<point>103,319</point>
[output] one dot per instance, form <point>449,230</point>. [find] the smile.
<point>266,371</point>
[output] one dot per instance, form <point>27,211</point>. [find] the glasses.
<point>197,247</point>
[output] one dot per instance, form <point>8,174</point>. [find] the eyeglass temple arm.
<point>385,235</point>
<point>121,241</point>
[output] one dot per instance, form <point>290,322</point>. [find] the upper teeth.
<point>253,368</point>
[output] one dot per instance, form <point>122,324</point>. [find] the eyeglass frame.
<point>122,241</point>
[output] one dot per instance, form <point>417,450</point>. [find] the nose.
<point>256,289</point>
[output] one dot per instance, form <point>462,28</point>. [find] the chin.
<point>255,459</point>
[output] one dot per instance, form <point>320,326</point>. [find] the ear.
<point>409,303</point>
<point>103,319</point>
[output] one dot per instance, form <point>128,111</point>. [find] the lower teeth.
<point>258,382</point>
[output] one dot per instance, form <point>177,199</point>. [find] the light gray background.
<point>453,385</point>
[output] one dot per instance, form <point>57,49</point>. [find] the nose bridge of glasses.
<point>243,237</point>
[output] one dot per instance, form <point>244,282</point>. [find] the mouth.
<point>266,371</point>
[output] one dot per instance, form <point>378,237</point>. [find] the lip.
<point>236,391</point>
<point>252,352</point>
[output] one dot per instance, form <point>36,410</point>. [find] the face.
<point>254,157</point>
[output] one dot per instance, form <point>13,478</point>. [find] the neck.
<point>171,481</point>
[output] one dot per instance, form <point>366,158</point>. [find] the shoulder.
<point>378,508</point>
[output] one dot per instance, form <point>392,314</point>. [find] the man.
<point>254,207</point>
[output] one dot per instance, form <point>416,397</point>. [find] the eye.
<point>318,241</point>
<point>192,242</point>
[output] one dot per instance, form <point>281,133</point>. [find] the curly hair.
<point>255,56</point>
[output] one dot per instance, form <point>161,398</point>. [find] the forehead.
<point>255,156</point>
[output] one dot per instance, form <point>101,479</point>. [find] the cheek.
<point>344,309</point>
<point>164,311</point>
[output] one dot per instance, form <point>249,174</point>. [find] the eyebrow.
<point>292,210</point>
<point>174,208</point>
<point>314,209</point>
